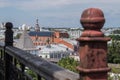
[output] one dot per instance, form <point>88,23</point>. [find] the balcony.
<point>14,63</point>
<point>17,61</point>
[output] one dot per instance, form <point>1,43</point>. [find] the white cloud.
<point>42,4</point>
<point>4,3</point>
<point>62,9</point>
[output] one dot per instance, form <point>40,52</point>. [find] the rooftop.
<point>25,42</point>
<point>41,33</point>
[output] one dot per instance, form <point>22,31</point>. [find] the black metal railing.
<point>14,64</point>
<point>2,67</point>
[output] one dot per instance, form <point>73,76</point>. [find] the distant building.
<point>41,37</point>
<point>24,27</point>
<point>60,34</point>
<point>25,43</point>
<point>54,52</point>
<point>63,38</point>
<point>74,33</point>
<point>2,25</point>
<point>51,52</point>
<point>46,44</point>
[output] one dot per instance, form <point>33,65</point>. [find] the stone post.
<point>93,46</point>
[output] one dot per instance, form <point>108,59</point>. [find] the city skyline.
<point>56,13</point>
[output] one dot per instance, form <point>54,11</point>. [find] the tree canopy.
<point>114,49</point>
<point>68,63</point>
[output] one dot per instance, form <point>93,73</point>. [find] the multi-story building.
<point>40,38</point>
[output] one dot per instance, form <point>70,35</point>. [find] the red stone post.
<point>93,46</point>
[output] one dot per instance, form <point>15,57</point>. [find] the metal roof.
<point>41,33</point>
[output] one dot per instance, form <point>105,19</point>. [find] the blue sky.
<point>56,13</point>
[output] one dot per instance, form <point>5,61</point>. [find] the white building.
<point>74,33</point>
<point>57,51</point>
<point>24,27</point>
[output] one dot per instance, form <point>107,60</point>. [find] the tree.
<point>115,37</point>
<point>32,74</point>
<point>18,36</point>
<point>68,63</point>
<point>114,52</point>
<point>116,32</point>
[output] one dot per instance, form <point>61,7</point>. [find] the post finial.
<point>9,34</point>
<point>92,20</point>
<point>9,25</point>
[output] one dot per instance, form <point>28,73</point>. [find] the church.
<point>45,38</point>
<point>40,37</point>
<point>46,44</point>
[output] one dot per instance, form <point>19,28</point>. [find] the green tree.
<point>116,32</point>
<point>18,36</point>
<point>114,52</point>
<point>114,37</point>
<point>32,74</point>
<point>68,63</point>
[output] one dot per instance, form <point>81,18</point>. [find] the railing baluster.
<point>39,77</point>
<point>15,61</point>
<point>22,69</point>
<point>1,54</point>
<point>1,65</point>
<point>8,61</point>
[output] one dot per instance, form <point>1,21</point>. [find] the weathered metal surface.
<point>93,46</point>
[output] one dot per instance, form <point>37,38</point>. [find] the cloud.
<point>45,4</point>
<point>3,3</point>
<point>60,9</point>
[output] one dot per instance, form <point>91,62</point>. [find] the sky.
<point>56,13</point>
